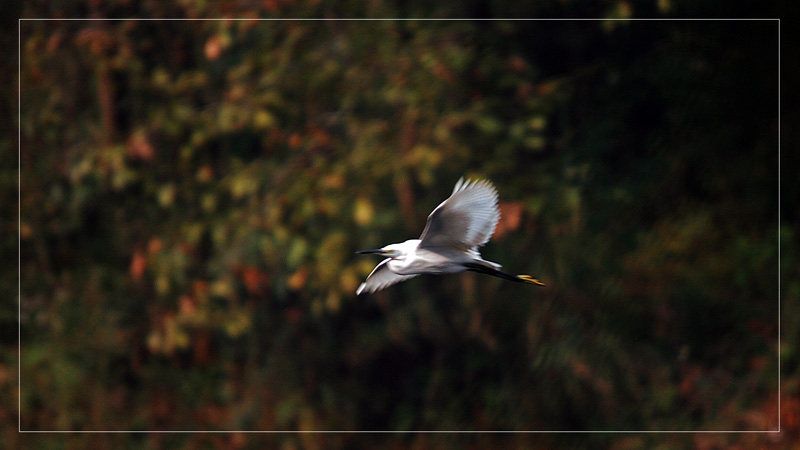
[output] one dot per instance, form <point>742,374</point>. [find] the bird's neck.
<point>400,265</point>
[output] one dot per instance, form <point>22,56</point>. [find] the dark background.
<point>192,193</point>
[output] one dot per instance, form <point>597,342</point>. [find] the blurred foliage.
<point>192,193</point>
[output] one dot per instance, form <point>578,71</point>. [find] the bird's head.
<point>394,251</point>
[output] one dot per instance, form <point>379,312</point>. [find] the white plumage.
<point>449,243</point>
<point>466,220</point>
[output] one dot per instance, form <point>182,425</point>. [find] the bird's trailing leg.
<point>475,267</point>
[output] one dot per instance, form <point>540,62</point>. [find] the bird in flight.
<point>448,244</point>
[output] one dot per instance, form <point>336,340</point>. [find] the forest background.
<point>192,192</point>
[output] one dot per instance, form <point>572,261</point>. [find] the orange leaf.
<point>298,279</point>
<point>510,218</point>
<point>254,279</point>
<point>188,306</point>
<point>138,265</point>
<point>154,246</point>
<point>139,147</point>
<point>295,141</point>
<point>213,47</point>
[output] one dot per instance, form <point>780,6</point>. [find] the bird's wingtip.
<point>458,185</point>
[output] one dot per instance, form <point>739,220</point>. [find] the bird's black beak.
<point>368,252</point>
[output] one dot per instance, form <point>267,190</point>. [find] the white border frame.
<point>19,235</point>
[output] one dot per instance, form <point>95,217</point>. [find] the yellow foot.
<point>529,279</point>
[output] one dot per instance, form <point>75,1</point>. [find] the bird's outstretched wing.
<point>466,220</point>
<point>381,277</point>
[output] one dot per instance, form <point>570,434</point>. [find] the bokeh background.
<point>192,193</point>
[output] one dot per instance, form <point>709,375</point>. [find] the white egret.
<point>448,244</point>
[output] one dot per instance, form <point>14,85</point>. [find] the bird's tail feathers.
<point>477,255</point>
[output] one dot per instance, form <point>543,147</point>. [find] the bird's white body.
<point>449,244</point>
<point>434,260</point>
